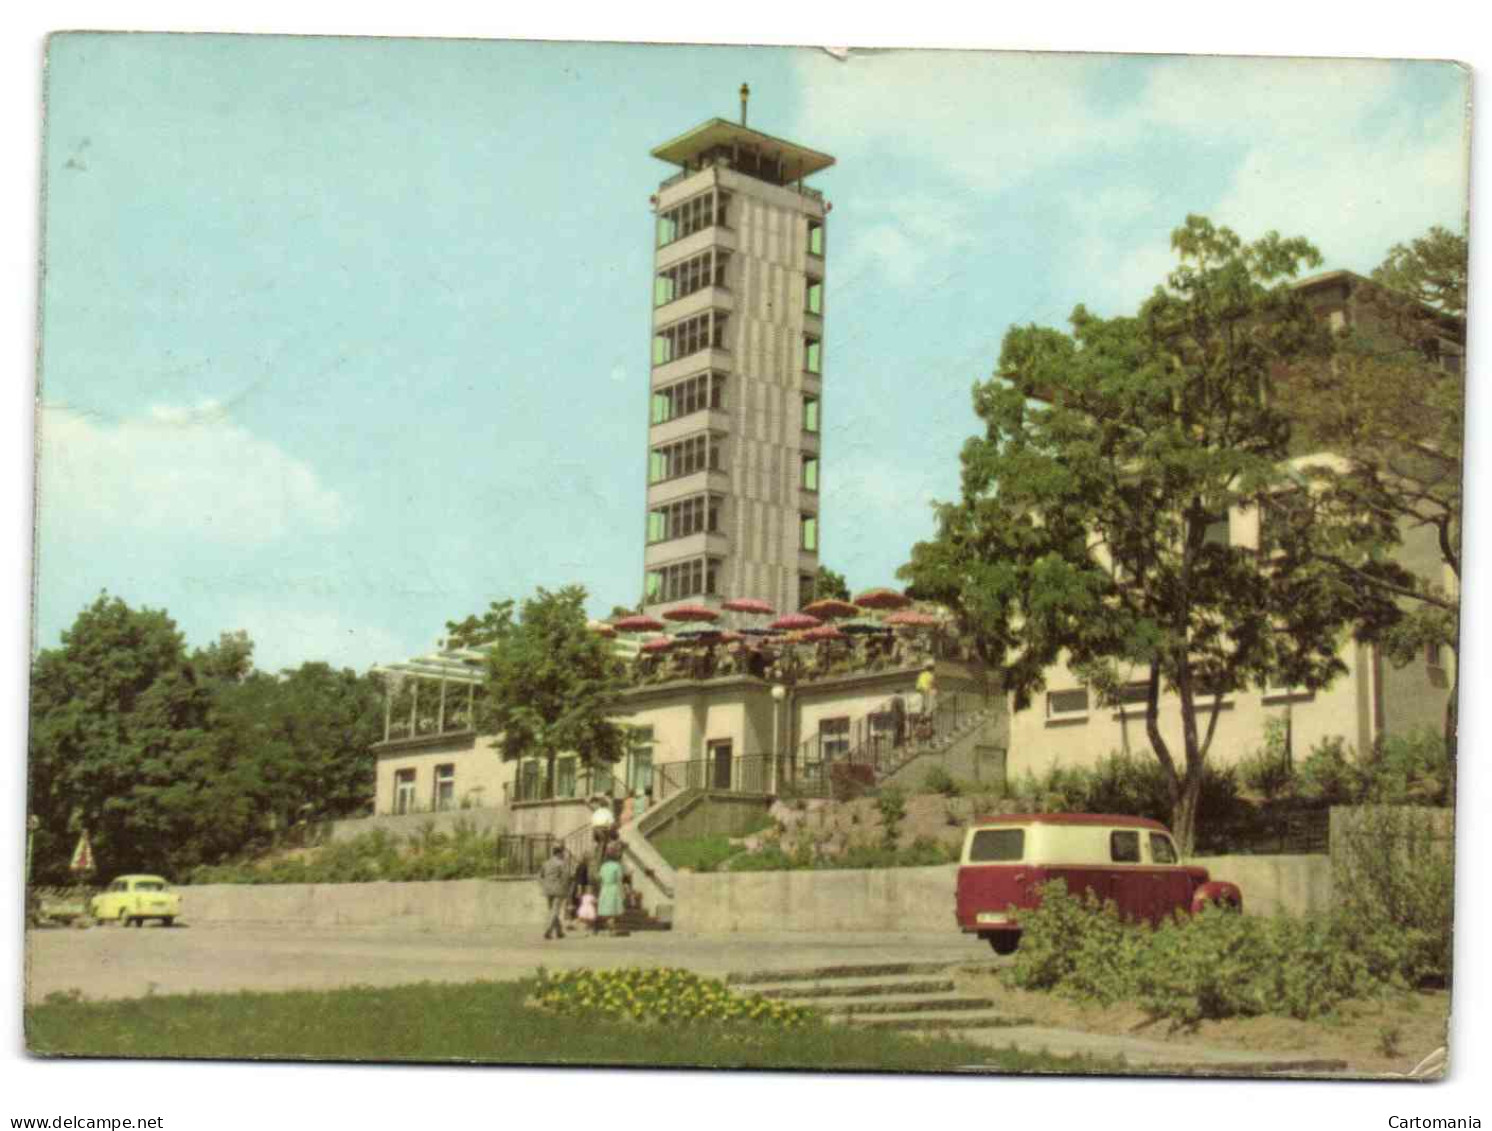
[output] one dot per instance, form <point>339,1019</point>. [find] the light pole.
<point>779,693</point>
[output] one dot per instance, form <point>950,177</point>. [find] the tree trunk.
<point>1184,812</point>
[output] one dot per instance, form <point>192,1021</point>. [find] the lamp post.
<point>779,693</point>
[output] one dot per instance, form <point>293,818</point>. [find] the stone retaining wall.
<point>448,904</point>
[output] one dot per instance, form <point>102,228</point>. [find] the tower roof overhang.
<point>717,132</point>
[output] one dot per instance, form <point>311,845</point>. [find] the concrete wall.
<point>451,904</point>
<point>1298,884</point>
<point>888,899</point>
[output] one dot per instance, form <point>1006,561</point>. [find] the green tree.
<point>827,583</point>
<point>552,685</point>
<point>1089,525</point>
<point>1390,407</point>
<point>488,628</point>
<point>117,741</point>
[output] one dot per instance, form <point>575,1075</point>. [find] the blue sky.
<point>344,338</point>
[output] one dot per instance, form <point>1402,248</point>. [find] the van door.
<point>1130,881</point>
<point>1173,885</point>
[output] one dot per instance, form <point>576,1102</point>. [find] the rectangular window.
<point>810,414</point>
<point>1124,847</point>
<point>640,764</point>
<point>700,452</point>
<point>696,514</point>
<point>834,738</point>
<point>991,846</point>
<point>808,530</point>
<point>690,335</point>
<point>693,394</point>
<point>1162,851</point>
<point>816,237</point>
<point>445,787</point>
<point>1136,692</point>
<point>403,791</point>
<point>814,298</point>
<point>564,774</point>
<point>695,273</point>
<point>813,358</point>
<point>691,578</point>
<point>810,473</point>
<point>1216,533</point>
<point>693,215</point>
<point>1072,704</point>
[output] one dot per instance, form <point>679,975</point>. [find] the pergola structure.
<point>462,667</point>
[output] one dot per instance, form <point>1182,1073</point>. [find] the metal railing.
<point>521,854</point>
<point>741,773</point>
<point>570,787</point>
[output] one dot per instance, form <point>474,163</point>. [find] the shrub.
<point>1267,771</point>
<point>892,804</point>
<point>1406,768</point>
<point>939,780</point>
<point>1329,774</point>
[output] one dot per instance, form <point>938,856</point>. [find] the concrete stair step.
<point>952,1020</point>
<point>951,1003</point>
<point>857,987</point>
<point>866,970</point>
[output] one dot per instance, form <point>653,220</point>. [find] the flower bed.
<point>659,995</point>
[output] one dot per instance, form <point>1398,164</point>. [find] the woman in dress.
<point>611,904</point>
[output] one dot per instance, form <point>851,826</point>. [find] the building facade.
<point>736,371</point>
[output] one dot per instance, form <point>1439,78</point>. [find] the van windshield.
<point>997,844</point>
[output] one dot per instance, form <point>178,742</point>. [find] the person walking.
<point>554,881</point>
<point>580,884</point>
<point>611,905</point>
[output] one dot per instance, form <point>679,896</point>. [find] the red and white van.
<point>1130,860</point>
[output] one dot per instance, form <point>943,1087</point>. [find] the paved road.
<point>118,962</point>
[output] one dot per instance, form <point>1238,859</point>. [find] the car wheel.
<point>1004,942</point>
<point>167,920</point>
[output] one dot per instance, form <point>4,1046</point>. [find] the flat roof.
<point>804,162</point>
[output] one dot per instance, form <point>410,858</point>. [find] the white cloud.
<point>1342,151</point>
<point>189,472</point>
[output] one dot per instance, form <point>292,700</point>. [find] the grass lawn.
<point>479,1021</point>
<point>702,853</point>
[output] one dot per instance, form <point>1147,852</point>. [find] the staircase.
<point>899,995</point>
<point>652,875</point>
<point>873,760</point>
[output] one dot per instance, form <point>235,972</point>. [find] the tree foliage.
<point>1391,409</point>
<point>553,684</point>
<point>170,760</point>
<point>827,583</point>
<point>1089,520</point>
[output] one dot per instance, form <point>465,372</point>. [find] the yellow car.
<point>130,900</point>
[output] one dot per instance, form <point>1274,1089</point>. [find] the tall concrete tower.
<point>737,370</point>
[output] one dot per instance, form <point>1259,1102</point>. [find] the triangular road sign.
<point>82,860</point>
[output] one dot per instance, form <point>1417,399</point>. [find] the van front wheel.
<point>1004,942</point>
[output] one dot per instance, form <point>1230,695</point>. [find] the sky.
<point>345,338</point>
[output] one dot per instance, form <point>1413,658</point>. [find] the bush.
<point>892,804</point>
<point>1408,768</point>
<point>1267,771</point>
<point>1213,965</point>
<point>1329,775</point>
<point>939,780</point>
<point>1127,784</point>
<point>464,853</point>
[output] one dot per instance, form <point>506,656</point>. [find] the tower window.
<point>695,577</point>
<point>703,331</point>
<point>813,300</point>
<point>813,355</point>
<point>810,481</point>
<point>816,237</point>
<point>696,273</point>
<point>693,394</point>
<point>696,514</point>
<point>810,414</point>
<point>693,215</point>
<point>808,532</point>
<point>701,452</point>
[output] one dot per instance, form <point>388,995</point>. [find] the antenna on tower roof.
<point>745,94</point>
